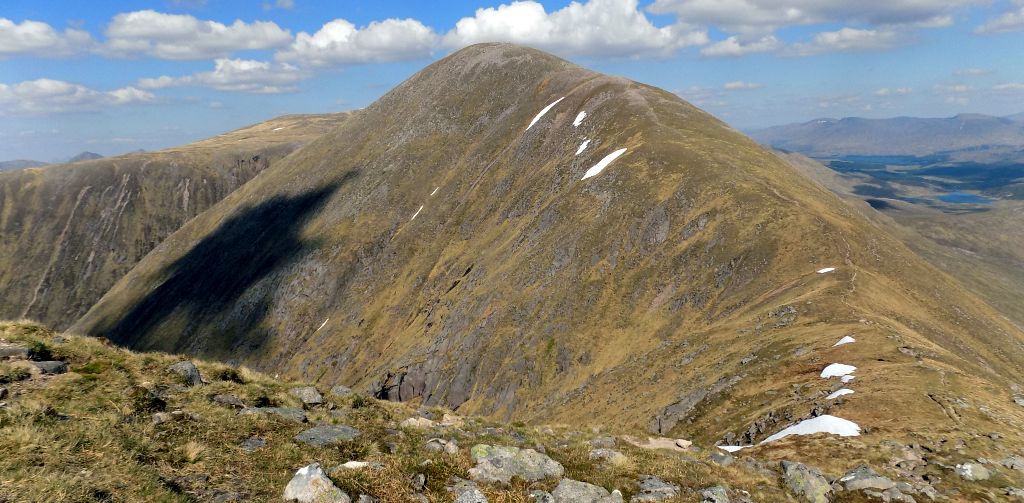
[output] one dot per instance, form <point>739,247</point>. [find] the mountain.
<point>19,164</point>
<point>85,156</point>
<point>68,232</point>
<point>508,234</point>
<point>896,136</point>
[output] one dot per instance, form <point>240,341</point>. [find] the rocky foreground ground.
<point>81,420</point>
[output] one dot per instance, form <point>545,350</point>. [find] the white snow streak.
<point>603,163</point>
<point>838,393</point>
<point>435,190</point>
<point>845,340</point>
<point>732,448</point>
<point>417,213</point>
<point>826,270</point>
<point>579,119</point>
<point>321,325</point>
<point>821,424</point>
<point>847,379</point>
<point>278,128</point>
<point>583,146</point>
<point>837,370</point>
<point>542,112</point>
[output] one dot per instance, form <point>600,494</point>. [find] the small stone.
<point>1014,492</point>
<point>603,442</point>
<point>418,423</point>
<point>13,352</point>
<point>308,394</point>
<point>364,498</point>
<point>973,471</point>
<point>683,444</point>
<point>716,494</point>
<point>253,444</point>
<point>722,458</point>
<point>328,434</point>
<point>188,372</point>
<point>894,494</point>
<point>654,489</point>
<point>288,413</point>
<point>419,481</point>
<point>1012,462</point>
<point>340,391</point>
<point>538,496</point>
<point>466,491</point>
<point>452,420</point>
<point>52,367</point>
<point>609,456</point>
<point>311,485</point>
<point>500,463</point>
<point>229,400</point>
<point>805,482</point>
<point>162,417</point>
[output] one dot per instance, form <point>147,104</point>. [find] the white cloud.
<point>848,39</point>
<point>340,42</point>
<point>739,85</point>
<point>759,17</point>
<point>1009,86</point>
<point>1011,20</point>
<point>972,72</point>
<point>47,96</point>
<point>179,36</point>
<point>238,75</point>
<point>596,27</point>
<point>897,91</point>
<point>952,88</point>
<point>40,39</point>
<point>733,46</point>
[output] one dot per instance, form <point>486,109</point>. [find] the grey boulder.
<point>654,489</point>
<point>308,394</point>
<point>51,368</point>
<point>496,463</point>
<point>284,412</point>
<point>582,492</point>
<point>188,372</point>
<point>715,494</point>
<point>806,483</point>
<point>327,434</point>
<point>863,477</point>
<point>311,485</point>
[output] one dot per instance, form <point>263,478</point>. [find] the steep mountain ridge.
<point>894,136</point>
<point>441,245</point>
<point>68,232</point>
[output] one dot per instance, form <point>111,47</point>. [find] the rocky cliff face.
<point>479,239</point>
<point>68,232</point>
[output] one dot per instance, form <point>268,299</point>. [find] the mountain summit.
<point>509,234</point>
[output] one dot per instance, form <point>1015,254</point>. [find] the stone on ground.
<point>715,494</point>
<point>582,492</point>
<point>311,485</point>
<point>418,423</point>
<point>188,372</point>
<point>288,413</point>
<point>327,434</point>
<point>496,463</point>
<point>805,482</point>
<point>308,394</point>
<point>973,471</point>
<point>52,367</point>
<point>654,489</point>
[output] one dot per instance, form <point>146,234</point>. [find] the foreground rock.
<point>308,394</point>
<point>973,471</point>
<point>188,372</point>
<point>716,494</point>
<point>51,368</point>
<point>805,482</point>
<point>328,434</point>
<point>654,489</point>
<point>496,463</point>
<point>582,492</point>
<point>311,485</point>
<point>288,413</point>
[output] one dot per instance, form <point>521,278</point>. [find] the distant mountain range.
<point>85,156</point>
<point>895,136</point>
<point>19,164</point>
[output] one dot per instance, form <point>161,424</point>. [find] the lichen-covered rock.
<point>806,482</point>
<point>188,372</point>
<point>285,412</point>
<point>973,471</point>
<point>863,477</point>
<point>574,491</point>
<point>308,394</point>
<point>311,485</point>
<point>496,463</point>
<point>654,489</point>
<point>715,494</point>
<point>327,434</point>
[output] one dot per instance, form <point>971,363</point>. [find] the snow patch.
<point>837,370</point>
<point>417,213</point>
<point>838,393</point>
<point>603,163</point>
<point>847,379</point>
<point>542,112</point>
<point>732,448</point>
<point>278,128</point>
<point>583,146</point>
<point>845,340</point>
<point>321,325</point>
<point>579,119</point>
<point>826,270</point>
<point>435,190</point>
<point>821,424</point>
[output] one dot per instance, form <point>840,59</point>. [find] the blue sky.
<point>112,77</point>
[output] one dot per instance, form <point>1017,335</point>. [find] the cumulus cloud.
<point>239,75</point>
<point>765,16</point>
<point>848,39</point>
<point>40,39</point>
<point>597,27</point>
<point>47,96</point>
<point>341,42</point>
<point>972,72</point>
<point>733,46</point>
<point>1011,20</point>
<point>739,85</point>
<point>180,36</point>
<point>897,91</point>
<point>1009,86</point>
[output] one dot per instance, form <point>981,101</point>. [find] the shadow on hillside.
<point>207,284</point>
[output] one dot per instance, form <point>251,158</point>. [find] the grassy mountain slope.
<point>68,232</point>
<point>895,136</point>
<point>675,291</point>
<point>19,164</point>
